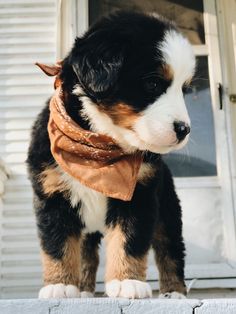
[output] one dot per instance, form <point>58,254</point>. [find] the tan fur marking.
<point>89,265</point>
<point>121,114</point>
<point>118,264</point>
<point>66,270</point>
<point>167,72</point>
<point>146,172</point>
<point>51,181</point>
<point>167,267</point>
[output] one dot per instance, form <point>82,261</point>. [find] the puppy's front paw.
<point>128,288</point>
<point>59,291</point>
<point>172,295</point>
<point>86,294</point>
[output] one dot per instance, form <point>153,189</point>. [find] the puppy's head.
<point>131,69</point>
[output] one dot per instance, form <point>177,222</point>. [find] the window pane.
<point>188,15</point>
<point>198,158</point>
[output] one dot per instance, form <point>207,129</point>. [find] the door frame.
<point>227,38</point>
<point>220,119</point>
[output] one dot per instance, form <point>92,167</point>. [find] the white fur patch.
<point>78,90</point>
<point>146,171</point>
<point>93,207</point>
<point>172,295</point>
<point>128,288</point>
<point>178,53</point>
<point>59,291</point>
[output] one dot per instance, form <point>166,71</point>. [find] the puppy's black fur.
<point>113,62</point>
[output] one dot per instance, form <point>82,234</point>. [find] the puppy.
<point>122,84</point>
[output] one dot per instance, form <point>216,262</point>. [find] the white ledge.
<point>118,306</point>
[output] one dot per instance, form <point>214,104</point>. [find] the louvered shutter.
<point>27,34</point>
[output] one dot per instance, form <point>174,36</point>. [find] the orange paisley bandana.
<point>93,159</point>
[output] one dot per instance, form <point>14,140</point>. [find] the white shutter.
<point>27,35</point>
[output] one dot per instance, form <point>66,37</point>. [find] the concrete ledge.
<point>217,306</point>
<point>117,306</point>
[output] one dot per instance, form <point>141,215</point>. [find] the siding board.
<point>28,34</point>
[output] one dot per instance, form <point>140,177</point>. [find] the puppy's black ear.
<point>97,63</point>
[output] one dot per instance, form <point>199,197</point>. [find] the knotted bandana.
<point>93,159</point>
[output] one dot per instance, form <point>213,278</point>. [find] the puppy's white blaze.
<point>178,53</point>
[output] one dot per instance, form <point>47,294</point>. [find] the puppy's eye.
<point>151,86</point>
<point>155,86</point>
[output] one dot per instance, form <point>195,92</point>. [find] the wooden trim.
<point>66,26</point>
<point>221,133</point>
<point>72,21</point>
<point>197,182</point>
<point>82,16</point>
<point>200,50</point>
<point>227,39</point>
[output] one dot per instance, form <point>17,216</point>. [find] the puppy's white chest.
<point>93,207</point>
<point>93,210</point>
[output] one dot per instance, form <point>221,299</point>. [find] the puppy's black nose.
<point>181,130</point>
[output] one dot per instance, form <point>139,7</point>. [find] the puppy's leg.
<point>168,244</point>
<point>61,276</point>
<point>169,258</point>
<point>89,263</point>
<point>59,234</point>
<point>125,274</point>
<point>128,238</point>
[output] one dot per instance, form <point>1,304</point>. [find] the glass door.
<point>201,169</point>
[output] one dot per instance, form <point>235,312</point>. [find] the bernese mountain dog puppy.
<point>122,81</point>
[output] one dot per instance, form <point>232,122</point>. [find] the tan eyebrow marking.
<point>121,114</point>
<point>167,72</point>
